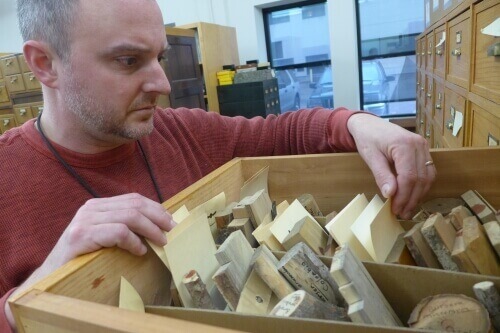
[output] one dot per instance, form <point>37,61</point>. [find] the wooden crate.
<point>82,295</point>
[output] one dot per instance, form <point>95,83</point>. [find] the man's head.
<point>102,72</point>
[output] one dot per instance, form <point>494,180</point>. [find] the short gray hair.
<point>48,21</point>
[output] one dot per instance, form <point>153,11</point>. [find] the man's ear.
<point>40,59</point>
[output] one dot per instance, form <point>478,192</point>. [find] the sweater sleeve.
<point>4,323</point>
<point>309,131</point>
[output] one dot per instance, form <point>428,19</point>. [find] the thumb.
<point>382,172</point>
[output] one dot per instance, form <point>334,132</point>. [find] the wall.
<point>246,17</point>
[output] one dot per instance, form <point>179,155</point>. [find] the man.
<point>92,170</point>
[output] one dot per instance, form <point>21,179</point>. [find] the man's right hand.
<point>105,222</point>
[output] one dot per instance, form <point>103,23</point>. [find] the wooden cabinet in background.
<point>217,46</point>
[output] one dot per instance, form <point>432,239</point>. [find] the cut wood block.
<point>487,294</point>
<point>284,223</point>
<point>340,227</point>
<point>421,216</point>
<point>256,207</point>
<point>264,236</point>
<point>450,313</point>
<point>442,206</point>
<point>302,305</point>
<point>307,230</point>
<point>419,248</point>
<point>432,235</point>
<point>331,246</point>
<point>307,200</point>
<point>493,232</point>
<point>460,257</point>
<point>478,247</point>
<point>265,265</point>
<point>240,211</point>
<point>281,207</point>
<point>482,209</point>
<point>246,227</point>
<point>226,280</point>
<point>457,216</point>
<point>224,217</point>
<point>255,183</point>
<point>198,291</point>
<point>377,228</point>
<point>129,297</point>
<point>255,297</point>
<point>237,250</point>
<point>304,270</point>
<point>400,254</point>
<point>374,309</point>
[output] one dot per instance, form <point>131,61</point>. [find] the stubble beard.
<point>98,118</point>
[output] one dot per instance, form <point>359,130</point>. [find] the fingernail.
<point>163,238</point>
<point>385,190</point>
<point>144,249</point>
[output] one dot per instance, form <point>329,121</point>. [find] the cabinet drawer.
<point>485,127</point>
<point>429,54</point>
<point>22,114</point>
<point>421,87</point>
<point>459,53</point>
<point>23,64</point>
<point>7,122</point>
<point>10,65</point>
<point>31,82</point>
<point>421,122</point>
<point>428,134</point>
<point>486,71</point>
<point>438,139</point>
<point>4,95</point>
<point>36,109</point>
<point>440,51</point>
<point>422,54</point>
<point>454,118</point>
<point>438,107</point>
<point>15,83</point>
<point>429,91</point>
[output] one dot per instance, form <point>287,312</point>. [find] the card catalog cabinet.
<point>458,75</point>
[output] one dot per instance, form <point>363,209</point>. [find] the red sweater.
<point>38,197</point>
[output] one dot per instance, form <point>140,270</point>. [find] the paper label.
<point>459,37</point>
<point>492,141</point>
<point>492,29</point>
<point>458,122</point>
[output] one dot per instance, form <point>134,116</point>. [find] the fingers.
<point>384,177</point>
<point>414,178</point>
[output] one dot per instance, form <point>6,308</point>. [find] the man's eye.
<point>162,57</point>
<point>127,61</point>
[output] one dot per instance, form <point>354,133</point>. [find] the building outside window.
<point>298,46</point>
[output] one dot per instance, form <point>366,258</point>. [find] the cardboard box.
<point>82,295</point>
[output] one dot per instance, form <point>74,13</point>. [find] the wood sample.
<point>457,216</point>
<point>255,183</point>
<point>227,281</point>
<point>284,223</point>
<point>210,208</point>
<point>197,290</point>
<point>340,227</point>
<point>255,297</point>
<point>304,270</point>
<point>377,228</point>
<point>246,227</point>
<point>264,236</point>
<point>434,230</point>
<point>400,254</point>
<point>237,250</point>
<point>366,302</point>
<point>265,265</point>
<point>478,247</point>
<point>307,200</point>
<point>482,209</point>
<point>300,304</point>
<point>419,248</point>
<point>451,313</point>
<point>488,295</point>
<point>224,217</point>
<point>256,207</point>
<point>442,206</point>
<point>460,257</point>
<point>493,232</point>
<point>183,255</point>
<point>129,297</point>
<point>307,230</point>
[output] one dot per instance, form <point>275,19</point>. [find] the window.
<point>299,50</point>
<point>386,44</point>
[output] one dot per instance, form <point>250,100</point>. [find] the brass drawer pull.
<point>13,79</point>
<point>428,134</point>
<point>429,95</point>
<point>449,124</point>
<point>439,52</point>
<point>494,50</point>
<point>438,106</point>
<point>429,52</point>
<point>421,122</point>
<point>418,83</point>
<point>32,77</point>
<point>422,88</point>
<point>8,62</point>
<point>22,112</point>
<point>456,52</point>
<point>6,122</point>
